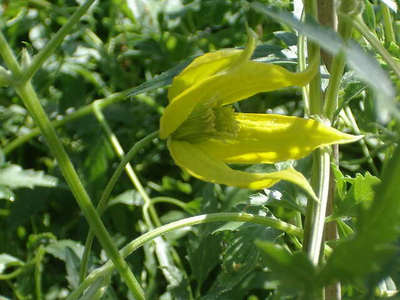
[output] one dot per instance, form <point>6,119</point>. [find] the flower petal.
<point>210,64</point>
<point>200,165</point>
<point>244,81</point>
<point>266,138</point>
<point>201,68</point>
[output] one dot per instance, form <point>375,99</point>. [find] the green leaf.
<point>161,80</point>
<point>376,229</point>
<point>58,249</point>
<point>7,261</point>
<point>178,284</point>
<point>239,257</point>
<point>295,271</point>
<point>15,176</point>
<point>72,263</point>
<point>6,193</point>
<point>361,193</point>
<point>97,288</point>
<point>204,248</point>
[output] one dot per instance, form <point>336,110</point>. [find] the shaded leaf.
<point>15,176</point>
<point>7,261</point>
<point>239,257</point>
<point>72,264</point>
<point>295,271</point>
<point>58,249</point>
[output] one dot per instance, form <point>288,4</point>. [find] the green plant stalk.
<point>388,24</point>
<point>164,260</point>
<point>180,204</point>
<point>38,273</point>
<point>202,219</point>
<point>128,168</point>
<point>359,24</point>
<point>315,215</point>
<point>55,41</point>
<point>82,112</point>
<point>345,30</point>
<point>29,98</point>
<point>107,192</point>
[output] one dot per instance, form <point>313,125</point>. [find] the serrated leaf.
<point>295,271</point>
<point>14,176</point>
<point>361,193</point>
<point>72,263</point>
<point>239,257</point>
<point>377,228</point>
<point>58,249</point>
<point>7,260</point>
<point>204,248</point>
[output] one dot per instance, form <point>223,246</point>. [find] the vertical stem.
<point>388,23</point>
<point>28,96</point>
<point>315,216</point>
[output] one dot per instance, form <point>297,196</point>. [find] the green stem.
<point>314,226</point>
<point>107,192</point>
<point>315,216</point>
<point>173,201</point>
<point>202,219</point>
<point>310,8</point>
<point>388,23</point>
<point>376,44</point>
<point>29,97</point>
<point>38,273</point>
<point>55,41</point>
<point>345,29</point>
<point>84,111</point>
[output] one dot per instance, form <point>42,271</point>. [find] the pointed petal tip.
<point>349,138</point>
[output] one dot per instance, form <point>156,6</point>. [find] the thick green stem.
<point>29,97</point>
<point>316,211</point>
<point>55,41</point>
<point>202,219</point>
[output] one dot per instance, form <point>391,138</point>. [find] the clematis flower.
<point>205,133</point>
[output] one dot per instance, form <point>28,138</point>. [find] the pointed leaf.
<point>14,176</point>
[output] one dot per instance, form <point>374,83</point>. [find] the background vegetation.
<point>83,87</point>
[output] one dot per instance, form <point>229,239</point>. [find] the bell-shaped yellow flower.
<point>204,133</point>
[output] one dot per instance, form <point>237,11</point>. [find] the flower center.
<point>208,120</point>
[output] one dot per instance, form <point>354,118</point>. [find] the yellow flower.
<point>204,133</point>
